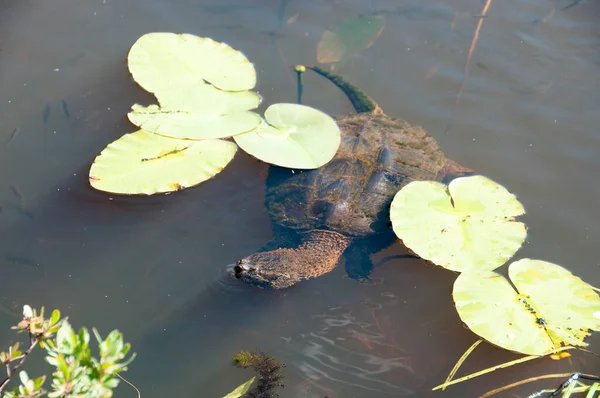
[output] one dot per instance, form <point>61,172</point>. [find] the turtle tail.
<point>360,100</point>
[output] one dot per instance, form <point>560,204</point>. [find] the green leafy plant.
<point>77,373</point>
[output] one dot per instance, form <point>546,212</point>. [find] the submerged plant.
<point>269,373</point>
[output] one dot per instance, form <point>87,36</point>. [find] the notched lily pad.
<point>162,62</point>
<point>147,163</point>
<point>348,38</point>
<point>551,309</point>
<point>469,225</point>
<point>293,136</point>
<point>192,125</point>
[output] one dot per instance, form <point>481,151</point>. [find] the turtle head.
<point>268,270</point>
<point>317,254</point>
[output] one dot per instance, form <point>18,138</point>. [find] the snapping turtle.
<point>328,210</point>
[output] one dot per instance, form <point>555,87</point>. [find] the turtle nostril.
<point>238,270</point>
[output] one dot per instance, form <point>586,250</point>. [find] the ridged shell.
<point>351,194</point>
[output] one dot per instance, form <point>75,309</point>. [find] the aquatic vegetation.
<point>550,309</point>
<point>192,125</point>
<point>162,62</point>
<point>147,163</point>
<point>76,372</point>
<point>348,38</point>
<point>294,136</point>
<point>269,373</point>
<point>203,90</point>
<point>467,225</point>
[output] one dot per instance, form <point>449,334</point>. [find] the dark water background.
<point>153,267</point>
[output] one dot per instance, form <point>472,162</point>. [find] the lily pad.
<point>147,163</point>
<point>551,309</point>
<point>469,225</point>
<point>293,136</point>
<point>208,99</point>
<point>348,38</point>
<point>192,125</point>
<point>162,62</point>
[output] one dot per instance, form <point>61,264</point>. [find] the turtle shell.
<point>352,193</point>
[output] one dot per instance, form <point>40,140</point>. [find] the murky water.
<point>154,267</point>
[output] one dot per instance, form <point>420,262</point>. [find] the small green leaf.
<point>24,377</point>
<point>55,317</point>
<point>241,390</point>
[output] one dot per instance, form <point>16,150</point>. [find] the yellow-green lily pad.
<point>468,225</point>
<point>192,125</point>
<point>147,163</point>
<point>208,99</point>
<point>293,136</point>
<point>348,38</point>
<point>551,309</point>
<point>162,62</point>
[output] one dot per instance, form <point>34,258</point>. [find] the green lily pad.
<point>469,225</point>
<point>147,163</point>
<point>163,62</point>
<point>348,38</point>
<point>192,125</point>
<point>293,136</point>
<point>551,309</point>
<point>208,99</point>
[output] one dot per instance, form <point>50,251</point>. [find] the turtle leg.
<point>358,256</point>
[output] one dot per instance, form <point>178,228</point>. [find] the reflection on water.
<point>353,353</point>
<point>156,267</point>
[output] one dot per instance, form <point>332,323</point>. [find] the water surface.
<point>154,267</point>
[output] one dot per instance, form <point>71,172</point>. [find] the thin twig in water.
<point>472,48</point>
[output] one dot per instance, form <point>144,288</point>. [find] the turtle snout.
<point>243,266</point>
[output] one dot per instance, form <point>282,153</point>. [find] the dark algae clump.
<point>269,372</point>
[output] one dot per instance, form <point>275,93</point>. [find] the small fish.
<point>573,4</point>
<point>539,88</point>
<point>18,194</point>
<point>46,114</point>
<point>13,135</point>
<point>545,18</point>
<point>22,211</point>
<point>225,8</point>
<point>482,66</point>
<point>65,108</point>
<point>18,260</point>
